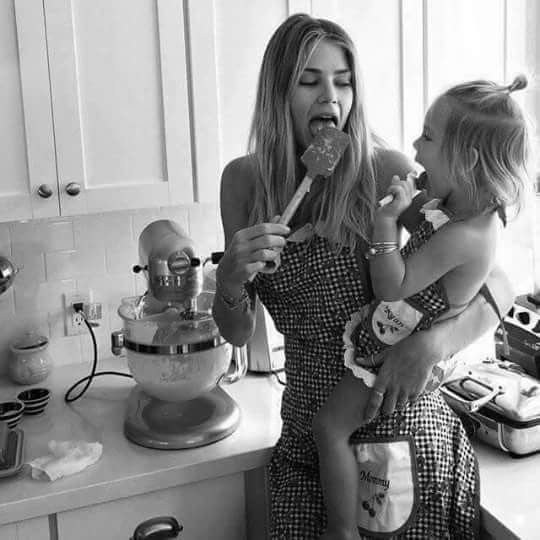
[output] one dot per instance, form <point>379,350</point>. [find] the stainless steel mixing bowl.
<point>172,355</point>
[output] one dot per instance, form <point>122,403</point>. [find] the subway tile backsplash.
<point>96,253</point>
<point>87,254</point>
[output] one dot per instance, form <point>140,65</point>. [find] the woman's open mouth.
<point>324,120</point>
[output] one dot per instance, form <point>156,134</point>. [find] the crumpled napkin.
<point>66,457</point>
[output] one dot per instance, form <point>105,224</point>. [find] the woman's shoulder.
<point>238,181</point>
<point>237,189</point>
<point>390,162</point>
<point>239,173</point>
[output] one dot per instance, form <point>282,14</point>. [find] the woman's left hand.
<point>404,373</point>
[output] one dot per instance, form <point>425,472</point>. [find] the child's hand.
<point>402,192</point>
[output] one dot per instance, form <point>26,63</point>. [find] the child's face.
<point>429,150</point>
<point>324,94</point>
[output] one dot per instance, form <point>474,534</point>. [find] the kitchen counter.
<point>509,493</point>
<point>508,486</point>
<point>126,469</point>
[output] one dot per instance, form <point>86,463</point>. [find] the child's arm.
<point>454,245</point>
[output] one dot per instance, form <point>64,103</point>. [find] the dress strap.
<point>486,293</point>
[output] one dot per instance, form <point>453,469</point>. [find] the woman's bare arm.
<point>246,251</point>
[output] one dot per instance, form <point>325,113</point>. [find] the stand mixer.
<point>174,350</point>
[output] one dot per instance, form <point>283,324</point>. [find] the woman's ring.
<point>378,392</point>
<point>401,404</point>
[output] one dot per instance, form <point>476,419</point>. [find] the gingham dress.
<point>310,297</point>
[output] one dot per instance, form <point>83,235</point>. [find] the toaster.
<point>522,325</point>
<point>498,403</point>
<point>265,349</point>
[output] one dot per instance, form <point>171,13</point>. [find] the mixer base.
<point>171,425</point>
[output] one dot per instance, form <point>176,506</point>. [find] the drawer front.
<point>30,529</point>
<point>209,509</point>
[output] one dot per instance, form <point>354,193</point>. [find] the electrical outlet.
<point>74,322</point>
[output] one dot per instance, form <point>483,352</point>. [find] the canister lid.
<point>29,342</point>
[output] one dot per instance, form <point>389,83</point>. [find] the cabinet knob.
<point>73,189</point>
<point>158,528</point>
<point>45,191</point>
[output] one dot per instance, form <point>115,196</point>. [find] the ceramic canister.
<point>30,362</point>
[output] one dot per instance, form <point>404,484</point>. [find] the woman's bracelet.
<point>233,302</point>
<point>380,248</point>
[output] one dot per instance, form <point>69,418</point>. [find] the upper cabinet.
<point>26,133</point>
<point>96,100</point>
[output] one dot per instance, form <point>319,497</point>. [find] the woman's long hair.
<point>344,210</point>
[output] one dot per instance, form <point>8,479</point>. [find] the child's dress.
<point>382,323</point>
<point>311,297</point>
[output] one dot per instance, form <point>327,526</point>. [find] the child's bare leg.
<point>342,413</point>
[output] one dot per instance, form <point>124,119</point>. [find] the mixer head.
<point>168,257</point>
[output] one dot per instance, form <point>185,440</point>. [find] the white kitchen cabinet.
<point>211,509</point>
<point>94,101</point>
<point>26,129</point>
<point>30,529</point>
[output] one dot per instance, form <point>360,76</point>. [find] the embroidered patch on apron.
<point>387,485</point>
<point>393,321</point>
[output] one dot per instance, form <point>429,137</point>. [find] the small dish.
<point>35,400</point>
<point>14,453</point>
<point>11,412</point>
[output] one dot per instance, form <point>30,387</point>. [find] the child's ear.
<point>474,156</point>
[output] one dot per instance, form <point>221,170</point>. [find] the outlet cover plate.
<point>73,322</point>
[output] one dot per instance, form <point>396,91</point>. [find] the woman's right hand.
<point>248,253</point>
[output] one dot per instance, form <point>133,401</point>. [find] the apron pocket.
<point>387,485</point>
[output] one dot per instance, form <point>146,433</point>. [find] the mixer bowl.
<point>172,358</point>
<point>180,377</point>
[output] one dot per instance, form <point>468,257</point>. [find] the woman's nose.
<point>328,94</point>
<point>415,144</point>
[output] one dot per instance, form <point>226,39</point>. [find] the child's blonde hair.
<point>486,142</point>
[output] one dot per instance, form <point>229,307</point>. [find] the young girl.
<point>474,149</point>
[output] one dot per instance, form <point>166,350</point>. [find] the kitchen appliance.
<point>522,325</point>
<point>266,348</point>
<point>499,404</point>
<point>174,350</point>
<point>8,271</point>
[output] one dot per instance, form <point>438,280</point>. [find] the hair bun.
<point>519,83</point>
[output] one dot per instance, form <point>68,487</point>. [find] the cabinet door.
<point>120,103</point>
<point>26,136</point>
<point>211,509</point>
<point>30,529</point>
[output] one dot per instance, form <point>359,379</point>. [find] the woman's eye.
<point>426,137</point>
<point>307,82</point>
<point>343,82</point>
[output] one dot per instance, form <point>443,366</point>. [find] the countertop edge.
<point>104,492</point>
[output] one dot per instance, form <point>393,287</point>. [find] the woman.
<point>309,79</point>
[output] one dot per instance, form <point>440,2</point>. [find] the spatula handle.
<point>294,203</point>
<point>288,213</point>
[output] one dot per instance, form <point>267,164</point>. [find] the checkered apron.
<point>310,297</point>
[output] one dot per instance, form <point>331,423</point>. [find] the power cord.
<point>276,373</point>
<point>78,307</point>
